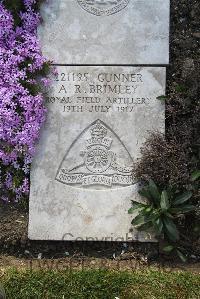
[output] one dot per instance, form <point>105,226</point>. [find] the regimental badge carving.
<point>97,159</point>
<point>103,7</point>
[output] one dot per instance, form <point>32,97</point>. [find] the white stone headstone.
<point>98,116</point>
<point>106,32</point>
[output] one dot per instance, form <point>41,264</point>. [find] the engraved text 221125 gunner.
<point>103,7</point>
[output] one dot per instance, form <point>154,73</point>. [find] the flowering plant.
<point>22,110</point>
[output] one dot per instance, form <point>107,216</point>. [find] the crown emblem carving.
<point>98,136</point>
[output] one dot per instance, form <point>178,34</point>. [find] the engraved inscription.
<point>96,164</point>
<point>99,92</point>
<point>103,7</point>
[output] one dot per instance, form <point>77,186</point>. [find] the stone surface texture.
<point>106,32</point>
<point>81,181</point>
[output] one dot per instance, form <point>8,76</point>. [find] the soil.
<point>184,65</point>
<point>14,241</point>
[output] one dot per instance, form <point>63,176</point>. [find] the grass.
<point>100,284</point>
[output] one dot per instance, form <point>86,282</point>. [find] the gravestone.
<point>110,58</point>
<point>106,31</point>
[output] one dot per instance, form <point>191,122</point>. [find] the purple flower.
<point>8,181</point>
<point>22,112</point>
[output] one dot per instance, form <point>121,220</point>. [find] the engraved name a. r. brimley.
<point>103,7</point>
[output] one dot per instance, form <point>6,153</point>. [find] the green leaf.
<point>195,175</point>
<point>182,198</point>
<point>171,229</point>
<point>168,248</point>
<point>159,226</point>
<point>170,191</point>
<point>141,219</point>
<point>148,209</point>
<point>131,210</point>
<point>181,256</point>
<point>183,209</point>
<point>154,191</point>
<point>180,88</point>
<point>162,98</point>
<point>136,206</point>
<point>138,220</point>
<point>146,226</point>
<point>169,214</point>
<point>139,204</point>
<point>145,193</point>
<point>164,202</point>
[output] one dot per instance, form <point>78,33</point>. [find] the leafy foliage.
<point>161,211</point>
